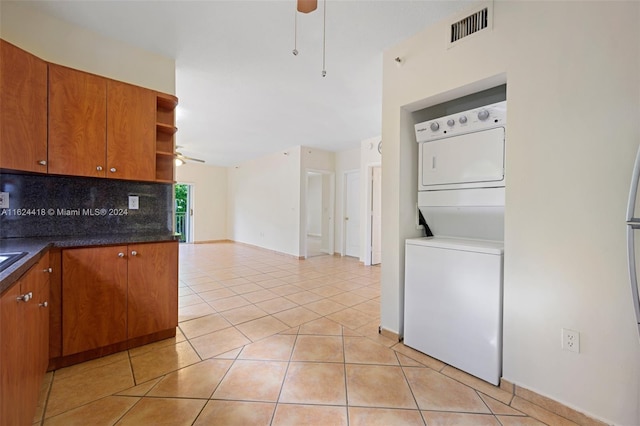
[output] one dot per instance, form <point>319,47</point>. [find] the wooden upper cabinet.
<point>96,127</point>
<point>77,122</point>
<point>23,110</point>
<point>131,132</point>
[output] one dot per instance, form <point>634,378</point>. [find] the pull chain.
<point>295,34</point>
<point>324,38</point>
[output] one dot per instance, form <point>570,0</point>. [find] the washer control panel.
<point>483,118</point>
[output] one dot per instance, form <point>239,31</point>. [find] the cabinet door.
<point>35,334</point>
<point>23,345</point>
<point>12,347</point>
<point>77,122</point>
<point>23,116</point>
<point>153,288</point>
<point>41,298</point>
<point>55,304</point>
<point>94,298</point>
<point>131,117</point>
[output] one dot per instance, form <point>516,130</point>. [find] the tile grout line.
<point>413,395</point>
<point>344,369</point>
<point>46,401</point>
<point>284,378</point>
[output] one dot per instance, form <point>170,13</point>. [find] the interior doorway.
<point>184,212</point>
<point>372,205</point>
<point>352,214</point>
<point>319,213</point>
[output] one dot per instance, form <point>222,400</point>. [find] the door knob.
<point>134,253</point>
<point>112,170</point>
<point>49,270</point>
<point>43,304</point>
<point>120,254</point>
<point>42,162</point>
<point>99,168</point>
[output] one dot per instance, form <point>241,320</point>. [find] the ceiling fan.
<point>306,6</point>
<point>180,159</point>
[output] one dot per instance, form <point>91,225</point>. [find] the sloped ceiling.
<point>243,94</point>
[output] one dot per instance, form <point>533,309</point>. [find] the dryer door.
<point>470,160</point>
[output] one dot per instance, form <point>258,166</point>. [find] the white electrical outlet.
<point>570,340</point>
<point>134,202</point>
<point>4,200</point>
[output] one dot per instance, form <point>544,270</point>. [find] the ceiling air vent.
<point>469,25</point>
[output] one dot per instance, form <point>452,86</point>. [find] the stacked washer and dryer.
<point>454,279</point>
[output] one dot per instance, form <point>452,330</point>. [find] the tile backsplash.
<point>43,206</point>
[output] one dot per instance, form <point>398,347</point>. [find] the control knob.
<point>434,126</point>
<point>451,122</point>
<point>483,114</point>
<point>462,119</point>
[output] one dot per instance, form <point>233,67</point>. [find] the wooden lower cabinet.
<point>94,298</point>
<point>24,344</point>
<point>153,291</point>
<point>114,295</point>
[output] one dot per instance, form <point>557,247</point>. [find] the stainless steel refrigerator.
<point>633,238</point>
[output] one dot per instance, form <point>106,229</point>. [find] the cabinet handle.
<point>42,162</point>
<point>99,168</point>
<point>25,297</point>
<point>49,270</point>
<point>120,254</point>
<point>112,170</point>
<point>134,253</point>
<point>43,304</point>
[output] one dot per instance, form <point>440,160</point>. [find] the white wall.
<point>346,161</point>
<point>62,43</point>
<point>264,202</point>
<point>209,199</point>
<point>573,92</point>
<point>369,157</point>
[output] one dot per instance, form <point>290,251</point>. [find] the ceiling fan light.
<point>178,162</point>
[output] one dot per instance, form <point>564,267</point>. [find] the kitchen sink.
<point>8,259</point>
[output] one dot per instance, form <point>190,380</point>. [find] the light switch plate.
<point>4,200</point>
<point>134,202</point>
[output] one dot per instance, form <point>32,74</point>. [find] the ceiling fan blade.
<point>306,6</point>
<point>185,158</point>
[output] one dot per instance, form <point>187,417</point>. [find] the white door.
<point>376,215</point>
<point>314,214</point>
<point>352,214</point>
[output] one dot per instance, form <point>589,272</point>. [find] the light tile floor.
<point>265,339</point>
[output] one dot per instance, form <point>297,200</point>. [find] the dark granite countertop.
<point>37,247</point>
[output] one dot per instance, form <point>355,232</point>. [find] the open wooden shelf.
<point>165,128</point>
<point>165,137</point>
<point>167,101</point>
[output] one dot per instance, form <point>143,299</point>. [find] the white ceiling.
<point>243,94</point>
